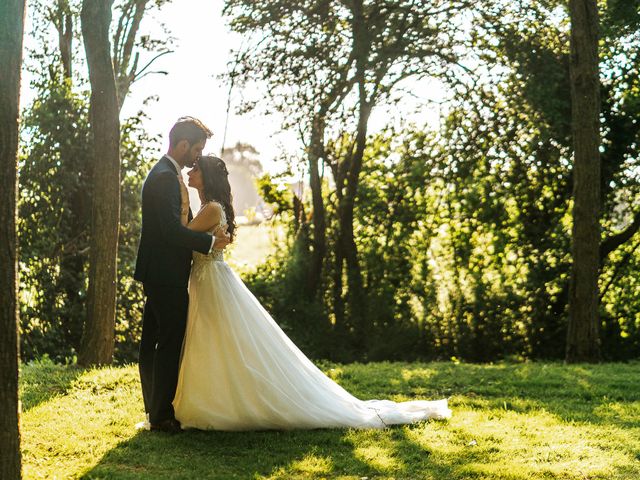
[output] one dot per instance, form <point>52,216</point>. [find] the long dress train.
<point>239,371</point>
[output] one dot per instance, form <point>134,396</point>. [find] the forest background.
<point>411,241</point>
<point>465,181</point>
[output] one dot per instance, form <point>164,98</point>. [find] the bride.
<point>238,370</point>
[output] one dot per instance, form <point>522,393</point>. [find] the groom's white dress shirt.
<point>175,164</point>
<point>179,170</point>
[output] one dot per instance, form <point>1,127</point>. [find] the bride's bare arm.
<point>206,219</point>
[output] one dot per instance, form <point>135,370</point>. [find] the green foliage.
<point>528,421</point>
<point>277,282</point>
<point>279,196</point>
<point>54,215</point>
<point>54,220</point>
<point>463,233</point>
<point>137,154</point>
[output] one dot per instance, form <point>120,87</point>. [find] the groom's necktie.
<point>184,196</point>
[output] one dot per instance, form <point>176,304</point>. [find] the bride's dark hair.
<point>215,178</point>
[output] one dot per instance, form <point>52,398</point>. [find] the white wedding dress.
<point>239,371</point>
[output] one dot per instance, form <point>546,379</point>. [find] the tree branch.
<point>618,267</point>
<point>138,75</point>
<point>614,241</point>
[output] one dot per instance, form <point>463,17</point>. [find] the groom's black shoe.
<point>169,426</point>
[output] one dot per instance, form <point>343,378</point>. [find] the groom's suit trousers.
<point>163,326</point>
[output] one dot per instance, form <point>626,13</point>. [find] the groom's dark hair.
<point>190,129</point>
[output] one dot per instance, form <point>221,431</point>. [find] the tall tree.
<point>390,42</point>
<point>98,336</point>
<point>309,57</point>
<point>63,14</point>
<point>583,336</point>
<point>11,34</point>
<point>56,173</point>
<point>330,63</point>
<point>72,242</point>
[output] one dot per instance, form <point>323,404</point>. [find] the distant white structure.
<point>244,168</point>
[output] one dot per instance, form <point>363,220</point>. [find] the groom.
<point>163,266</point>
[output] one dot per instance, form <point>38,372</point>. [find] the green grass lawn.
<point>510,421</point>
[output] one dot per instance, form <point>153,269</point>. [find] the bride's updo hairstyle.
<point>215,178</point>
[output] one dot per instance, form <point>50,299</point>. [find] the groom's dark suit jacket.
<point>164,254</point>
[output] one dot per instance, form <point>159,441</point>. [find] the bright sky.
<point>202,49</point>
<point>201,52</point>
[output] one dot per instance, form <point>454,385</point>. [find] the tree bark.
<point>346,205</point>
<point>319,218</point>
<point>583,343</point>
<point>317,152</point>
<point>346,248</point>
<point>62,19</point>
<point>99,332</point>
<point>11,34</point>
<point>617,239</point>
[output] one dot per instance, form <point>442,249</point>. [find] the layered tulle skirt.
<point>239,371</point>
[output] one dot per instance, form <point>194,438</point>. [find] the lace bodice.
<point>216,255</point>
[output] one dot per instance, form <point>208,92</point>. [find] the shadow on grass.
<point>591,394</point>
<point>41,381</point>
<point>596,394</point>
<point>273,455</point>
<point>572,394</point>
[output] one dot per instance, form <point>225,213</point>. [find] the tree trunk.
<point>63,20</point>
<point>319,221</point>
<point>355,290</point>
<point>99,332</point>
<point>11,34</point>
<point>582,337</point>
<point>316,153</point>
